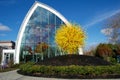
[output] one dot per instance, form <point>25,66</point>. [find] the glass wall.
<point>38,40</point>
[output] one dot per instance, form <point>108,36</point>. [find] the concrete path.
<point>13,75</point>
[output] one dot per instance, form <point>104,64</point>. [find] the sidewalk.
<point>13,75</point>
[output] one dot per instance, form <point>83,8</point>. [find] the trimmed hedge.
<point>69,70</point>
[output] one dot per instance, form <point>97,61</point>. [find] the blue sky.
<point>90,14</point>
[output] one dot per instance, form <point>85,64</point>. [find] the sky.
<point>90,14</point>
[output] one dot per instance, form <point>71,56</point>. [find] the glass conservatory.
<point>36,36</point>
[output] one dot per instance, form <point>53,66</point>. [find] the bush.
<point>27,68</point>
<point>70,70</point>
<point>104,50</point>
<point>108,52</point>
<point>9,68</point>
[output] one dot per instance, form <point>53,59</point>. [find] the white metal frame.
<point>30,12</point>
<point>8,51</point>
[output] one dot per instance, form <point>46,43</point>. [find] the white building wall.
<point>7,51</point>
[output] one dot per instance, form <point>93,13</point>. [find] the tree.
<point>90,51</point>
<point>112,30</point>
<point>108,52</point>
<point>70,37</point>
<point>40,48</point>
<point>104,50</point>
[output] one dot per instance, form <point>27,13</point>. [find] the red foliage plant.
<point>103,50</point>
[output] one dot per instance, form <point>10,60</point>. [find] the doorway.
<point>8,56</point>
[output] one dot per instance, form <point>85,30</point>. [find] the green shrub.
<point>70,70</point>
<point>27,68</point>
<point>15,65</point>
<point>113,60</point>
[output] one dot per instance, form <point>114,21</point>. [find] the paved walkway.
<point>13,75</point>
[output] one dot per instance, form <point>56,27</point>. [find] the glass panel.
<point>58,21</point>
<point>38,38</point>
<point>51,18</point>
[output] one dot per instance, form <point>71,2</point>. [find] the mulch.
<point>66,60</point>
<point>64,76</point>
<point>81,60</point>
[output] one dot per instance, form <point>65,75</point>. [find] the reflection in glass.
<point>38,39</point>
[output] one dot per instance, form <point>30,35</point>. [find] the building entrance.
<point>8,56</point>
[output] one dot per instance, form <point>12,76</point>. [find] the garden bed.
<point>71,66</point>
<point>82,72</point>
<point>66,60</point>
<point>9,68</point>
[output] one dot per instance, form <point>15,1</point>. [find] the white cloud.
<point>101,17</point>
<point>107,31</point>
<point>4,28</point>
